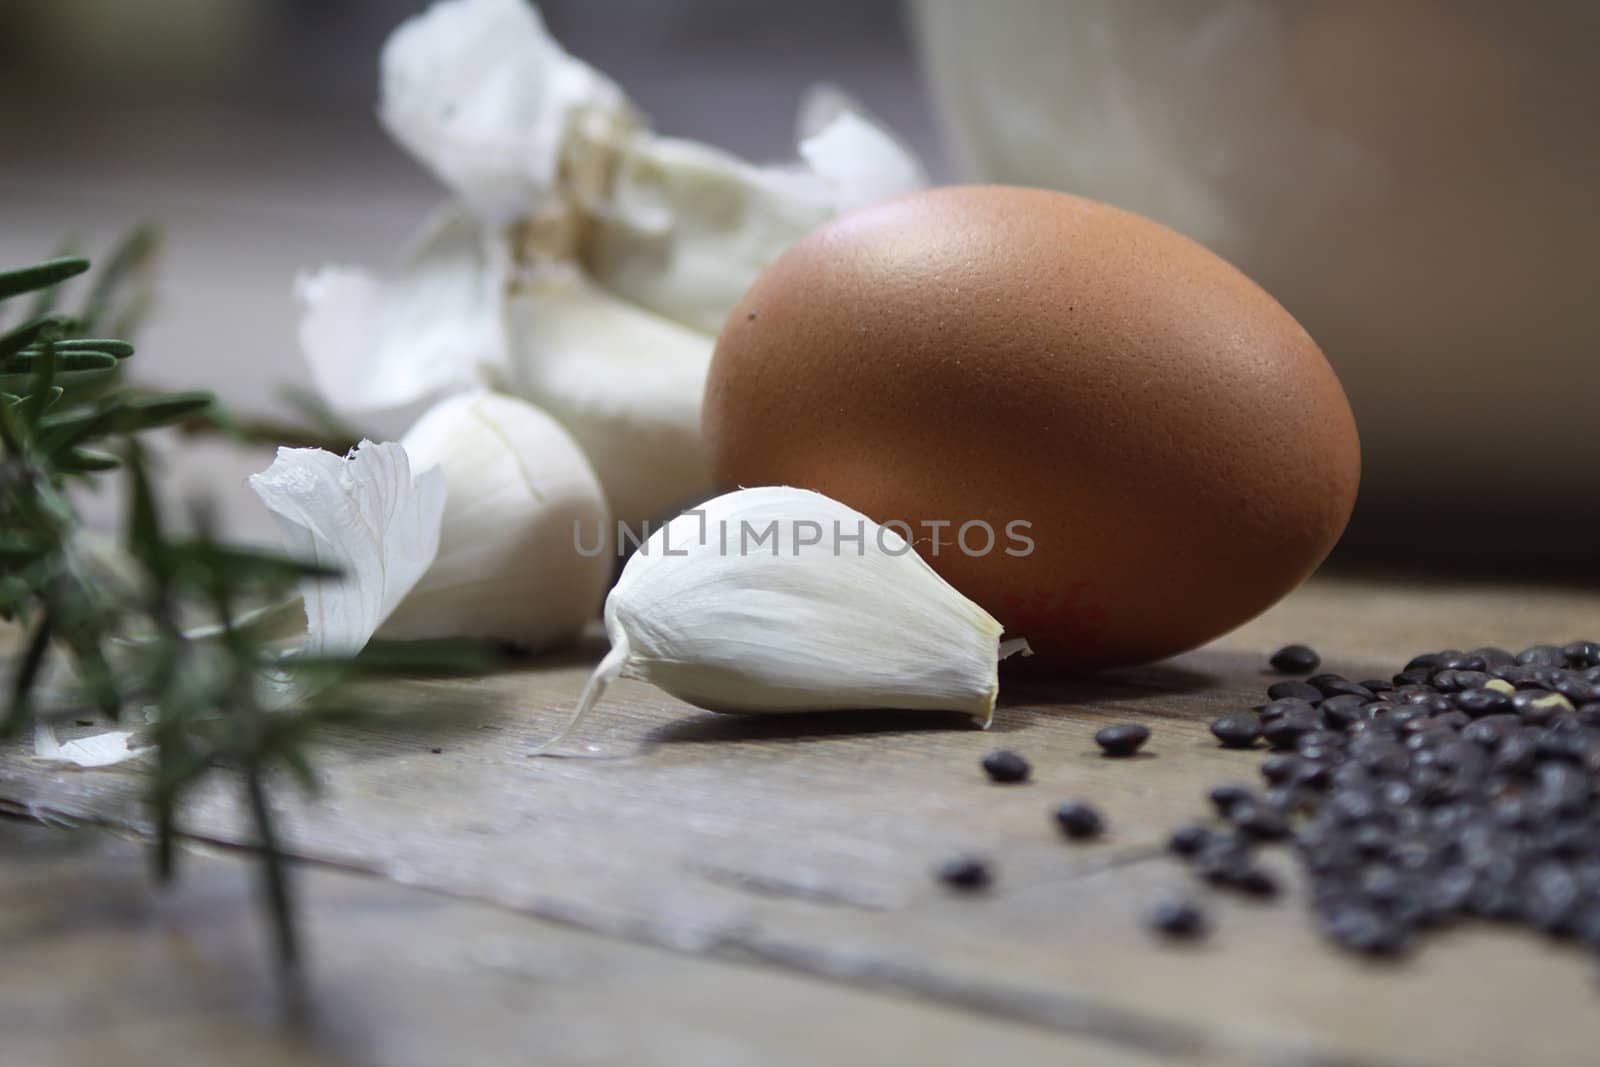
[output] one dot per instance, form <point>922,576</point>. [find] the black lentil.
<point>1281,768</point>
<point>1293,691</point>
<point>966,873</point>
<point>1430,660</point>
<point>1254,880</point>
<point>1296,659</point>
<point>1342,712</point>
<point>1277,709</point>
<point>1122,740</point>
<point>1226,797</point>
<point>1237,731</point>
<point>1479,702</point>
<point>1079,821</point>
<point>1582,654</point>
<point>1178,918</point>
<point>1260,822</point>
<point>1003,765</point>
<point>1361,929</point>
<point>1286,732</point>
<point>1190,840</point>
<point>1454,681</point>
<point>1333,685</point>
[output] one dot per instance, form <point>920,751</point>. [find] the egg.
<point>1103,433</point>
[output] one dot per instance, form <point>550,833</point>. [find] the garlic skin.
<point>558,184</point>
<point>366,516</point>
<point>519,492</point>
<point>481,94</point>
<point>431,329</point>
<point>724,617</point>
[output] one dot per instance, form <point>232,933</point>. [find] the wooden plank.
<point>101,968</point>
<point>805,843</point>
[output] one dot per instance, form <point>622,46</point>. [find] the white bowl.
<point>1417,182</point>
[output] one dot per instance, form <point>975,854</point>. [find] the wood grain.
<point>100,968</point>
<point>803,844</point>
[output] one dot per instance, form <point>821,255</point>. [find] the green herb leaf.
<point>118,415</point>
<point>86,461</point>
<point>40,276</point>
<point>108,346</point>
<point>42,329</point>
<point>19,712</point>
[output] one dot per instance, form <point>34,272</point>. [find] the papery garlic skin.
<point>433,329</point>
<point>364,515</point>
<point>105,749</point>
<point>684,228</point>
<point>861,161</point>
<point>521,498</point>
<point>483,96</point>
<point>809,619</point>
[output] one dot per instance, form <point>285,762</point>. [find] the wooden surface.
<point>687,888</point>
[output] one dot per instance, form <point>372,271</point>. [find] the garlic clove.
<point>628,384</point>
<point>524,546</point>
<point>481,94</point>
<point>685,227</point>
<point>763,600</point>
<point>433,328</point>
<point>364,515</point>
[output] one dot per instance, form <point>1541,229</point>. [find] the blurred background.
<point>1415,181</point>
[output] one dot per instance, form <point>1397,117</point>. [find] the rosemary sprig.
<point>172,633</point>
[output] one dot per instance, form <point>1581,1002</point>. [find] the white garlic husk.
<point>524,543</point>
<point>783,600</point>
<point>366,516</point>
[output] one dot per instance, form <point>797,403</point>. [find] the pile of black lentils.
<point>1464,786</point>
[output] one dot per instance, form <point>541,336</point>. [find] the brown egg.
<point>1178,448</point>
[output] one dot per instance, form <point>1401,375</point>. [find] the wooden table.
<point>687,888</point>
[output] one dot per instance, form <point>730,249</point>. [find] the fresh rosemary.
<point>163,633</point>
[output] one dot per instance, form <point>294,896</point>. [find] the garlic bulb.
<point>779,599</point>
<point>521,499</point>
<point>561,190</point>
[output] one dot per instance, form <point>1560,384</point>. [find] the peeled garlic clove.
<point>524,545</point>
<point>779,599</point>
<point>627,383</point>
